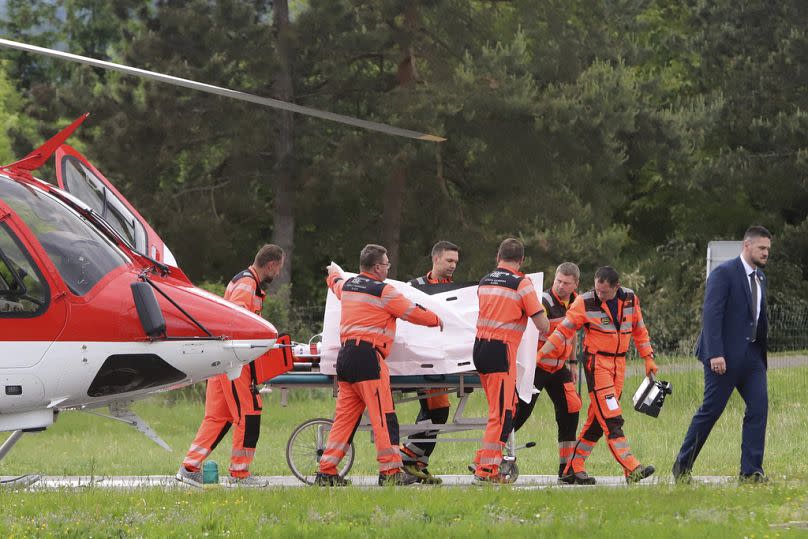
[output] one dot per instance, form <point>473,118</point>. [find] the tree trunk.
<point>406,75</point>
<point>391,218</point>
<point>283,230</point>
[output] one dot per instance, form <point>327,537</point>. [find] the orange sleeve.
<point>563,336</point>
<point>335,282</point>
<point>242,292</point>
<point>530,300</point>
<point>401,307</point>
<point>642,341</point>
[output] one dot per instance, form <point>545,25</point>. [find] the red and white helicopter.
<point>93,308</point>
<point>94,311</point>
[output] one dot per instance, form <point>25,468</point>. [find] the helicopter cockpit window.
<point>23,292</point>
<point>82,255</point>
<point>87,187</point>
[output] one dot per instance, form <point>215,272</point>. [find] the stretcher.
<point>420,358</point>
<point>307,441</point>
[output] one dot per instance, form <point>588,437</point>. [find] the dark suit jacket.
<point>728,325</point>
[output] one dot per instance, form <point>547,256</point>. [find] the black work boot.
<point>422,473</point>
<point>577,478</point>
<point>400,479</point>
<point>639,473</point>
<point>330,480</point>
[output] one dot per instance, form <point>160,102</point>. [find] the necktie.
<point>754,286</point>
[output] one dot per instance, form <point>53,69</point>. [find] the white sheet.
<point>420,350</point>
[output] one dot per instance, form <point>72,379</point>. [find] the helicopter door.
<point>32,312</point>
<point>81,179</point>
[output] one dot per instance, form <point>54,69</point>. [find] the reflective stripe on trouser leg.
<point>565,452</point>
<point>215,424</point>
<point>583,448</point>
<point>348,412</point>
<point>248,428</point>
<point>379,401</point>
<point>611,372</point>
<point>500,391</point>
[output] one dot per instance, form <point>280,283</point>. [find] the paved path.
<point>525,482</point>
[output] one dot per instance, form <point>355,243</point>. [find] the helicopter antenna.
<point>225,92</point>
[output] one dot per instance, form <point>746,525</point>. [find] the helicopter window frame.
<point>105,202</point>
<point>5,260</point>
<point>81,254</point>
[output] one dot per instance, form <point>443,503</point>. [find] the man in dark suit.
<point>732,346</point>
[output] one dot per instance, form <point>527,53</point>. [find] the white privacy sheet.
<point>420,350</point>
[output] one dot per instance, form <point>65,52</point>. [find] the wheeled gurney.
<point>307,442</point>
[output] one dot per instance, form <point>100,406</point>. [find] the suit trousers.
<point>748,376</point>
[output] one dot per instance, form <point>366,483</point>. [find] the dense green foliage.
<point>628,133</point>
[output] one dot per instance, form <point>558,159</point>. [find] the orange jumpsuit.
<point>367,329</point>
<point>507,300</point>
<point>232,402</point>
<point>552,376</point>
<point>434,404</point>
<point>606,342</point>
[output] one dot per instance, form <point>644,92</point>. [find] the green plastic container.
<point>210,473</point>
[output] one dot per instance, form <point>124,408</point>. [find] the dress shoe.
<point>756,477</point>
<point>681,474</point>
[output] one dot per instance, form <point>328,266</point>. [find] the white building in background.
<point>719,252</point>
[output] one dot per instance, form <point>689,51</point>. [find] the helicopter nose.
<point>250,336</point>
<point>249,350</point>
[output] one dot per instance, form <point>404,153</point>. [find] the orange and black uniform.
<point>606,341</point>
<point>367,329</point>
<point>232,402</point>
<point>552,376</point>
<point>507,300</point>
<point>434,404</point>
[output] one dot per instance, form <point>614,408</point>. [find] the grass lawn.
<point>82,444</point>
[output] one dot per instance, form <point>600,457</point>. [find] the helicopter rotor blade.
<point>225,92</point>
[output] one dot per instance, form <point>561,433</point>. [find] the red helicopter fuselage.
<point>71,334</point>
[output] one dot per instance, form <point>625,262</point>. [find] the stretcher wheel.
<point>510,470</point>
<point>307,444</point>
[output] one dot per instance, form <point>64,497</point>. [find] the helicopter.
<point>94,310</point>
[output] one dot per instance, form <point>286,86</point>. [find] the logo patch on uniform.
<point>605,320</point>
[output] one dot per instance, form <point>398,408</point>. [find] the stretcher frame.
<point>307,441</point>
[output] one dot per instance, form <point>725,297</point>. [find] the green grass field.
<point>82,444</point>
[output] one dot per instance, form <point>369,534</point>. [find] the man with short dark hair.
<point>369,310</point>
<point>235,402</point>
<point>507,300</point>
<point>611,316</point>
<point>445,257</point>
<point>553,375</point>
<point>434,402</point>
<point>732,346</point>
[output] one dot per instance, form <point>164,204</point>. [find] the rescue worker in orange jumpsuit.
<point>367,329</point>
<point>507,300</point>
<point>238,401</point>
<point>553,375</point>
<point>434,402</point>
<point>610,316</point>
